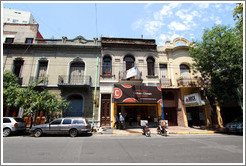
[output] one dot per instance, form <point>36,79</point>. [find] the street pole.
<point>95,91</point>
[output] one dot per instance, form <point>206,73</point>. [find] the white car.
<point>12,125</point>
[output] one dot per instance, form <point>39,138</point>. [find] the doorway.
<point>105,110</point>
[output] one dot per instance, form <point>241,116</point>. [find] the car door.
<point>54,127</point>
<point>65,126</point>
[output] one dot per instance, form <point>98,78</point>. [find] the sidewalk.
<point>170,130</point>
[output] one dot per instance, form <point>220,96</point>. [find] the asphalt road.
<point>211,148</point>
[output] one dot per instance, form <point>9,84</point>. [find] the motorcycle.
<point>146,131</point>
<point>161,130</point>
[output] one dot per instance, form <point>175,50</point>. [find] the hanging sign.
<point>192,100</point>
<point>136,94</point>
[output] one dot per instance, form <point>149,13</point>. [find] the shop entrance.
<point>195,116</point>
<point>133,114</point>
<point>171,115</point>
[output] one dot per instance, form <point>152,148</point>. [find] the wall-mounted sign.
<point>136,94</point>
<point>192,100</point>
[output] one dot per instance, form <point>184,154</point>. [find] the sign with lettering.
<point>192,100</point>
<point>136,94</point>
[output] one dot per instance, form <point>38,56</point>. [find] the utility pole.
<point>95,92</point>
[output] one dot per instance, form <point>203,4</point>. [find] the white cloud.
<point>217,5</point>
<point>137,24</point>
<point>166,11</point>
<point>218,20</point>
<point>202,5</point>
<point>178,26</point>
<point>152,27</point>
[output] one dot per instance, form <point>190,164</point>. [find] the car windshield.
<point>19,120</point>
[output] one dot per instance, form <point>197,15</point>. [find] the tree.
<point>238,16</point>
<point>30,99</point>
<point>219,59</point>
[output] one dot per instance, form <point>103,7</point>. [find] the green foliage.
<point>219,59</point>
<point>238,16</point>
<point>29,98</point>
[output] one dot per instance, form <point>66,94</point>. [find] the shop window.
<point>151,66</point>
<point>107,65</point>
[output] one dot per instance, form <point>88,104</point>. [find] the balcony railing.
<point>41,81</point>
<point>74,80</point>
<point>123,76</point>
<point>165,82</point>
<point>186,82</point>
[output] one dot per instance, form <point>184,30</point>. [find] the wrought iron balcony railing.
<point>165,82</point>
<point>187,82</point>
<point>123,76</point>
<point>82,80</point>
<point>41,81</point>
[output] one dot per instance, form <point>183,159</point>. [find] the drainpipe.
<point>94,98</point>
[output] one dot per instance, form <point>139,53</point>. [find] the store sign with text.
<point>192,100</point>
<point>136,94</point>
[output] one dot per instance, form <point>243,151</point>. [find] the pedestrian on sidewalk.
<point>116,123</point>
<point>121,118</point>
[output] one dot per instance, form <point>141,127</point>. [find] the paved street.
<point>205,148</point>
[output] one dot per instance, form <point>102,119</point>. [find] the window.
<point>184,71</point>
<point>151,66</point>
<point>129,62</point>
<point>15,21</point>
<point>18,65</point>
<point>29,40</point>
<point>24,22</point>
<point>67,121</point>
<point>42,71</point>
<point>19,120</point>
<point>78,121</point>
<point>9,40</point>
<point>6,120</point>
<point>58,121</point>
<point>163,70</point>
<point>76,72</point>
<point>107,65</point>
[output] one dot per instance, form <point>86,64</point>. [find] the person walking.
<point>121,118</point>
<point>116,123</point>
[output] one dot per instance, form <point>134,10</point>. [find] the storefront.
<point>195,109</point>
<point>137,102</point>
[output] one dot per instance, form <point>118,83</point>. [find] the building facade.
<point>17,16</point>
<point>66,66</point>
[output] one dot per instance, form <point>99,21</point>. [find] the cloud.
<point>218,20</point>
<point>178,26</point>
<point>147,5</point>
<point>166,11</point>
<point>202,5</point>
<point>138,24</point>
<point>152,27</point>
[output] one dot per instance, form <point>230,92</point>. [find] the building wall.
<point>17,16</point>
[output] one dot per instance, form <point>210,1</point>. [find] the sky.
<point>160,20</point>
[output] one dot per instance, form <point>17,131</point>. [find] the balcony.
<point>74,80</point>
<point>41,81</point>
<point>187,82</point>
<point>133,80</point>
<point>165,82</point>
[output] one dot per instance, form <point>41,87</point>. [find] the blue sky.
<point>160,21</point>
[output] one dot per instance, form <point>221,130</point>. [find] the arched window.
<point>184,71</point>
<point>151,66</point>
<point>107,65</point>
<point>77,71</point>
<point>129,62</point>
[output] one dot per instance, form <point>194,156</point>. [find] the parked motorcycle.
<point>161,130</point>
<point>146,131</point>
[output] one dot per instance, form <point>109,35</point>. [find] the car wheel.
<point>6,132</point>
<point>73,132</point>
<point>37,132</point>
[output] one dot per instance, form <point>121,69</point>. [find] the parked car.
<point>13,125</point>
<point>71,126</point>
<point>236,125</point>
